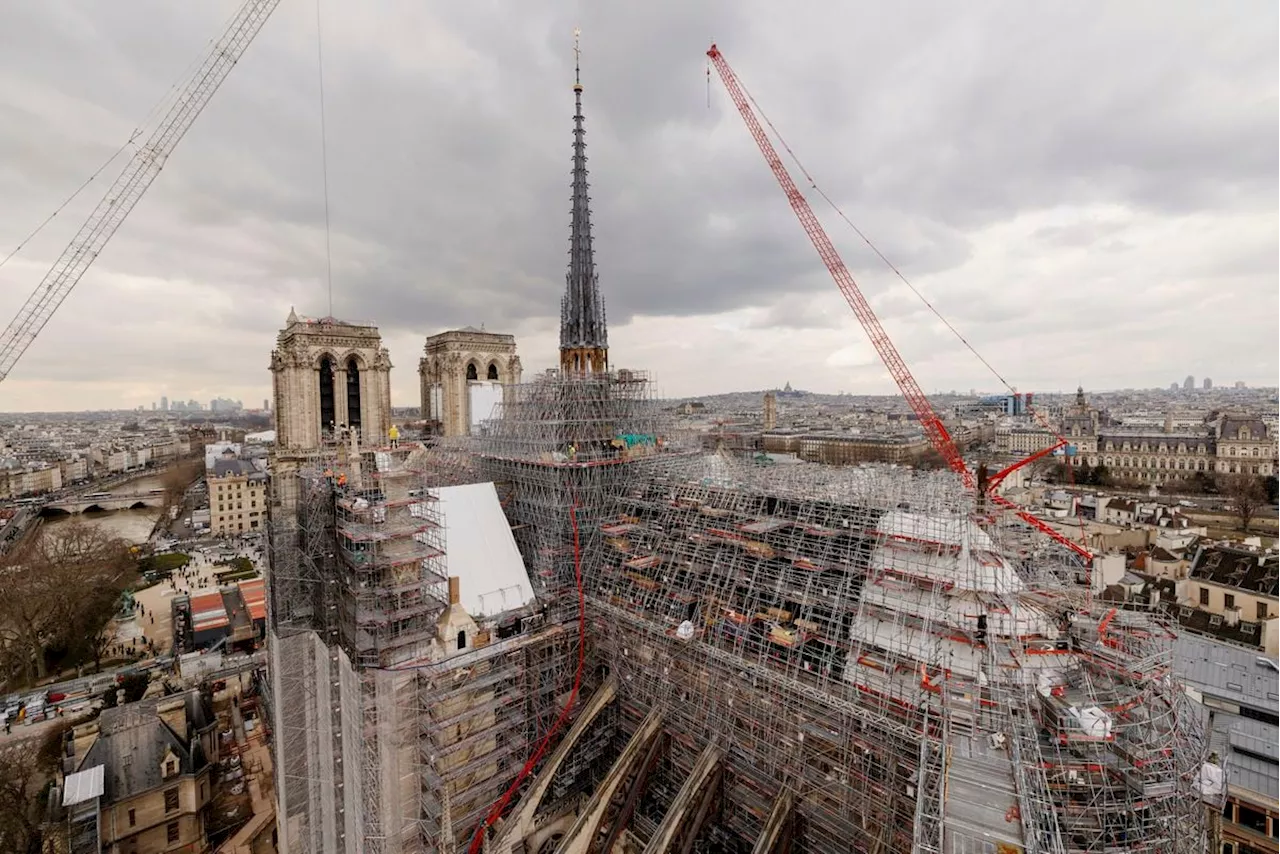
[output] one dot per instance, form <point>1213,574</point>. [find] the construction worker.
<point>394,435</point>
<point>573,452</point>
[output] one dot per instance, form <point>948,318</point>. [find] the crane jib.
<point>928,419</point>
<point>132,183</point>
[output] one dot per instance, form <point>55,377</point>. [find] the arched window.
<point>327,415</point>
<point>493,371</point>
<point>353,392</point>
<point>471,372</point>
<point>462,639</point>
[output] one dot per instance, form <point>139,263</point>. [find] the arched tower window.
<point>493,371</point>
<point>471,372</point>
<point>327,415</point>
<point>462,639</point>
<point>353,392</point>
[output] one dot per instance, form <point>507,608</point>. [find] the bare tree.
<point>20,782</point>
<point>178,477</point>
<point>60,590</point>
<point>1245,496</point>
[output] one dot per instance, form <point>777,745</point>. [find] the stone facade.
<point>1225,443</point>
<point>451,362</point>
<point>328,374</point>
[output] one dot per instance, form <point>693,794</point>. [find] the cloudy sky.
<point>1087,191</point>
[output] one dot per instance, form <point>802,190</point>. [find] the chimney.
<point>454,594</point>
<point>1231,616</point>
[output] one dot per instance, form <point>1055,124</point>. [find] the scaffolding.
<point>862,640</point>
<point>865,656</point>
<point>562,443</point>
<point>387,739</point>
<point>357,581</point>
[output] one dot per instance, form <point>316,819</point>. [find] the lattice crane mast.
<point>932,425</point>
<point>133,181</point>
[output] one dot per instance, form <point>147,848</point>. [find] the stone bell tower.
<point>326,374</point>
<point>457,374</point>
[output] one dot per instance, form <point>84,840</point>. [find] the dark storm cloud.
<point>937,128</point>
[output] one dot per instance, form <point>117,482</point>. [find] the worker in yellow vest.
<point>394,435</point>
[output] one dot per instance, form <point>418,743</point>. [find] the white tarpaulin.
<point>481,551</point>
<point>1210,782</point>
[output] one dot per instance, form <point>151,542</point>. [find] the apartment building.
<point>1239,584</point>
<point>138,777</point>
<point>115,458</point>
<point>850,449</point>
<point>29,480</point>
<point>237,495</point>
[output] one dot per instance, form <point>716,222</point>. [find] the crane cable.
<point>324,159</point>
<point>69,199</point>
<point>814,185</point>
<point>157,109</point>
<point>1036,414</point>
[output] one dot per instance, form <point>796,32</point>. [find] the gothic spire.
<point>584,339</point>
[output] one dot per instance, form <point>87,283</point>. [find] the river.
<point>131,525</point>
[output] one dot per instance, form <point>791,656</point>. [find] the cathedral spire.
<point>584,339</point>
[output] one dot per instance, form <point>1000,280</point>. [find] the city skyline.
<point>1078,252</point>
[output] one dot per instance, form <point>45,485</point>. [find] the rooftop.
<point>1244,569</point>
<point>1235,674</point>
<point>1248,747</point>
<point>132,742</point>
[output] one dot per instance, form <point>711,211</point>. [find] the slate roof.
<point>1231,428</point>
<point>1229,672</point>
<point>1249,748</point>
<point>133,740</point>
<point>1249,571</point>
<point>232,468</point>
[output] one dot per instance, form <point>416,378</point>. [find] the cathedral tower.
<point>328,374</point>
<point>584,339</point>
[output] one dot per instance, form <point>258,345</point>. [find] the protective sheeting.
<point>911,643</point>
<point>484,397</point>
<point>1093,721</point>
<point>481,551</point>
<point>82,786</point>
<point>1006,616</point>
<point>1210,782</point>
<point>960,566</point>
<point>950,530</point>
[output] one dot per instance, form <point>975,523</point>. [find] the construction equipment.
<point>133,181</point>
<point>930,423</point>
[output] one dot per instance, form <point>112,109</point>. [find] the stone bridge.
<point>116,501</point>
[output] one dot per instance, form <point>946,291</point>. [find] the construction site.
<point>715,657</point>
<point>580,631</point>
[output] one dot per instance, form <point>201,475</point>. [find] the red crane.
<point>932,425</point>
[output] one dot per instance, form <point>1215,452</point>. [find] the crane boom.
<point>133,181</point>
<point>932,425</point>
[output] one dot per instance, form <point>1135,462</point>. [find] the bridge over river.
<point>115,501</point>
